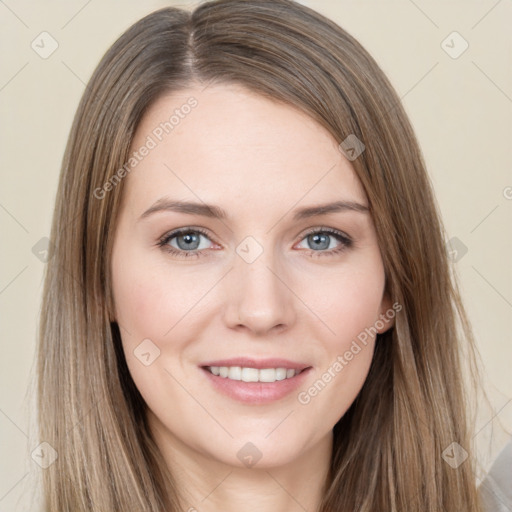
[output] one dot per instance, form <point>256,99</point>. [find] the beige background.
<point>460,107</point>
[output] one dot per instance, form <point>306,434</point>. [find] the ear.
<point>387,313</point>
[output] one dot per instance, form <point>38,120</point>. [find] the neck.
<point>207,484</point>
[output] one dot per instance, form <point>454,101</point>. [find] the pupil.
<point>317,238</point>
<point>188,238</point>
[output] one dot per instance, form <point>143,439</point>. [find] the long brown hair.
<point>387,453</point>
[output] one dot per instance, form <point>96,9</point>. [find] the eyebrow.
<point>212,211</point>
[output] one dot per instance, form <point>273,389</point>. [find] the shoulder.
<point>496,488</point>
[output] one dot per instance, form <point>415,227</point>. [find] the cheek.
<point>148,304</point>
<point>157,309</point>
<point>349,306</point>
<point>149,300</point>
<point>350,301</point>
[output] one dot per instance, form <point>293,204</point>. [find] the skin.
<point>259,160</point>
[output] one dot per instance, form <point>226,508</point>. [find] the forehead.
<point>226,139</point>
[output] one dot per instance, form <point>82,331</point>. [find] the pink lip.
<point>256,393</point>
<point>248,362</point>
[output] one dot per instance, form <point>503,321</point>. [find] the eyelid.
<point>181,231</point>
<point>187,229</point>
<point>343,238</point>
<point>322,229</point>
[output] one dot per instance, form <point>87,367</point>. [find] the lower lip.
<point>256,393</point>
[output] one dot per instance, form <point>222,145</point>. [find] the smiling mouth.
<point>256,386</point>
<point>248,374</point>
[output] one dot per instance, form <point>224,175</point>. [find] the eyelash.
<point>346,242</point>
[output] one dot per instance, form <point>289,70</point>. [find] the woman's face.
<point>273,277</point>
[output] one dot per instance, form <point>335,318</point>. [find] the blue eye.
<point>319,239</point>
<point>188,242</point>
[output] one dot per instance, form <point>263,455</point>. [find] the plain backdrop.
<point>459,100</point>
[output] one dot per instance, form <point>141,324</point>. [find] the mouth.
<point>249,374</point>
<point>256,386</point>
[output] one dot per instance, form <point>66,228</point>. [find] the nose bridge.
<point>258,296</point>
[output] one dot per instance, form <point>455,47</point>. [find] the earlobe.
<point>388,323</point>
<point>387,313</point>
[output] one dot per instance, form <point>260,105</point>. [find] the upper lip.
<point>249,362</point>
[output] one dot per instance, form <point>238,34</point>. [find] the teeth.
<point>235,373</point>
<point>252,374</point>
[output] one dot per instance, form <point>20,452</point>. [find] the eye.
<point>320,239</point>
<point>184,242</point>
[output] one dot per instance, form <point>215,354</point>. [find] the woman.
<point>305,354</point>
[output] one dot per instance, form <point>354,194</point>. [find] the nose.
<point>258,297</point>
